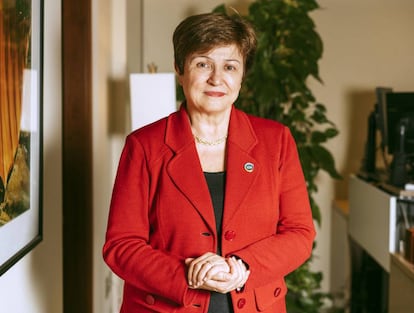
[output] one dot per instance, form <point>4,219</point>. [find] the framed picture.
<point>21,80</point>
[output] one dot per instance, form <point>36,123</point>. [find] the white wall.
<point>34,284</point>
<point>109,102</point>
<point>109,129</point>
<point>101,61</point>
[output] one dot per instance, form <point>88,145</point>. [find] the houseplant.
<point>287,56</point>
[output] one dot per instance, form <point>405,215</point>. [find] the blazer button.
<point>277,292</point>
<point>241,303</point>
<point>149,299</point>
<point>229,235</point>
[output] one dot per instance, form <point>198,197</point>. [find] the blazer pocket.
<point>270,294</point>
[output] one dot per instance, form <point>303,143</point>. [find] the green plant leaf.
<point>326,160</point>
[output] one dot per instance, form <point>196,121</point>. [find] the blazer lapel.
<point>185,168</point>
<point>242,168</point>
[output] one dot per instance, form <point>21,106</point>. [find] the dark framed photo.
<point>21,128</point>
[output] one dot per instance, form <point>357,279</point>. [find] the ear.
<point>177,73</point>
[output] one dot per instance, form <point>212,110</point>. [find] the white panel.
<point>30,114</point>
<point>371,220</point>
<point>152,97</point>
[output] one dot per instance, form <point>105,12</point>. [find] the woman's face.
<point>211,81</point>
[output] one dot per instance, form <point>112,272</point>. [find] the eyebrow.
<point>207,57</point>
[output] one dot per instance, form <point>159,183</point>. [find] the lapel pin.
<point>248,167</point>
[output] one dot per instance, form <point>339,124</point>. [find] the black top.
<point>219,303</point>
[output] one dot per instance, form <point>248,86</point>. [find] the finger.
<point>223,284</point>
<point>219,271</point>
<point>246,278</point>
<point>220,276</point>
<point>212,264</point>
<point>201,274</point>
<point>218,286</point>
<point>189,271</point>
<point>243,280</point>
<point>193,269</point>
<point>238,272</point>
<point>244,274</point>
<point>196,265</point>
<point>213,285</point>
<point>235,271</point>
<point>192,262</point>
<point>219,265</point>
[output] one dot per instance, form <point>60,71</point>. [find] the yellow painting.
<point>15,34</point>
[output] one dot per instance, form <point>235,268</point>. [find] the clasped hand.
<point>214,273</point>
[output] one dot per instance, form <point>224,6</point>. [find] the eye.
<point>230,67</point>
<point>203,65</point>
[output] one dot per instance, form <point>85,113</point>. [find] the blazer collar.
<point>179,135</point>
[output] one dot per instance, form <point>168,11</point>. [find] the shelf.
<point>401,289</point>
<point>404,265</point>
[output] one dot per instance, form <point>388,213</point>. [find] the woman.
<point>209,209</point>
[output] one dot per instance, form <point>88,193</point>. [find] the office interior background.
<point>366,44</point>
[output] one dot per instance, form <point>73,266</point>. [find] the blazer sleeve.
<point>127,250</point>
<point>280,253</point>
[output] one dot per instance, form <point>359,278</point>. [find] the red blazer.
<point>161,213</point>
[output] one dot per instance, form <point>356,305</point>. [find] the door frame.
<point>77,156</point>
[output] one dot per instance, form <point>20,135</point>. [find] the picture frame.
<point>21,129</point>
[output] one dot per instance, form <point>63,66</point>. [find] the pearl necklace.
<point>210,143</point>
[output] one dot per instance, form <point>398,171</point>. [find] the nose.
<point>215,77</point>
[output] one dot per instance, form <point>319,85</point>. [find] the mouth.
<point>216,94</point>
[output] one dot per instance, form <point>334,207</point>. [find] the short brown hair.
<point>203,32</point>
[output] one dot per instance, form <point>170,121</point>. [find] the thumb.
<point>222,276</point>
